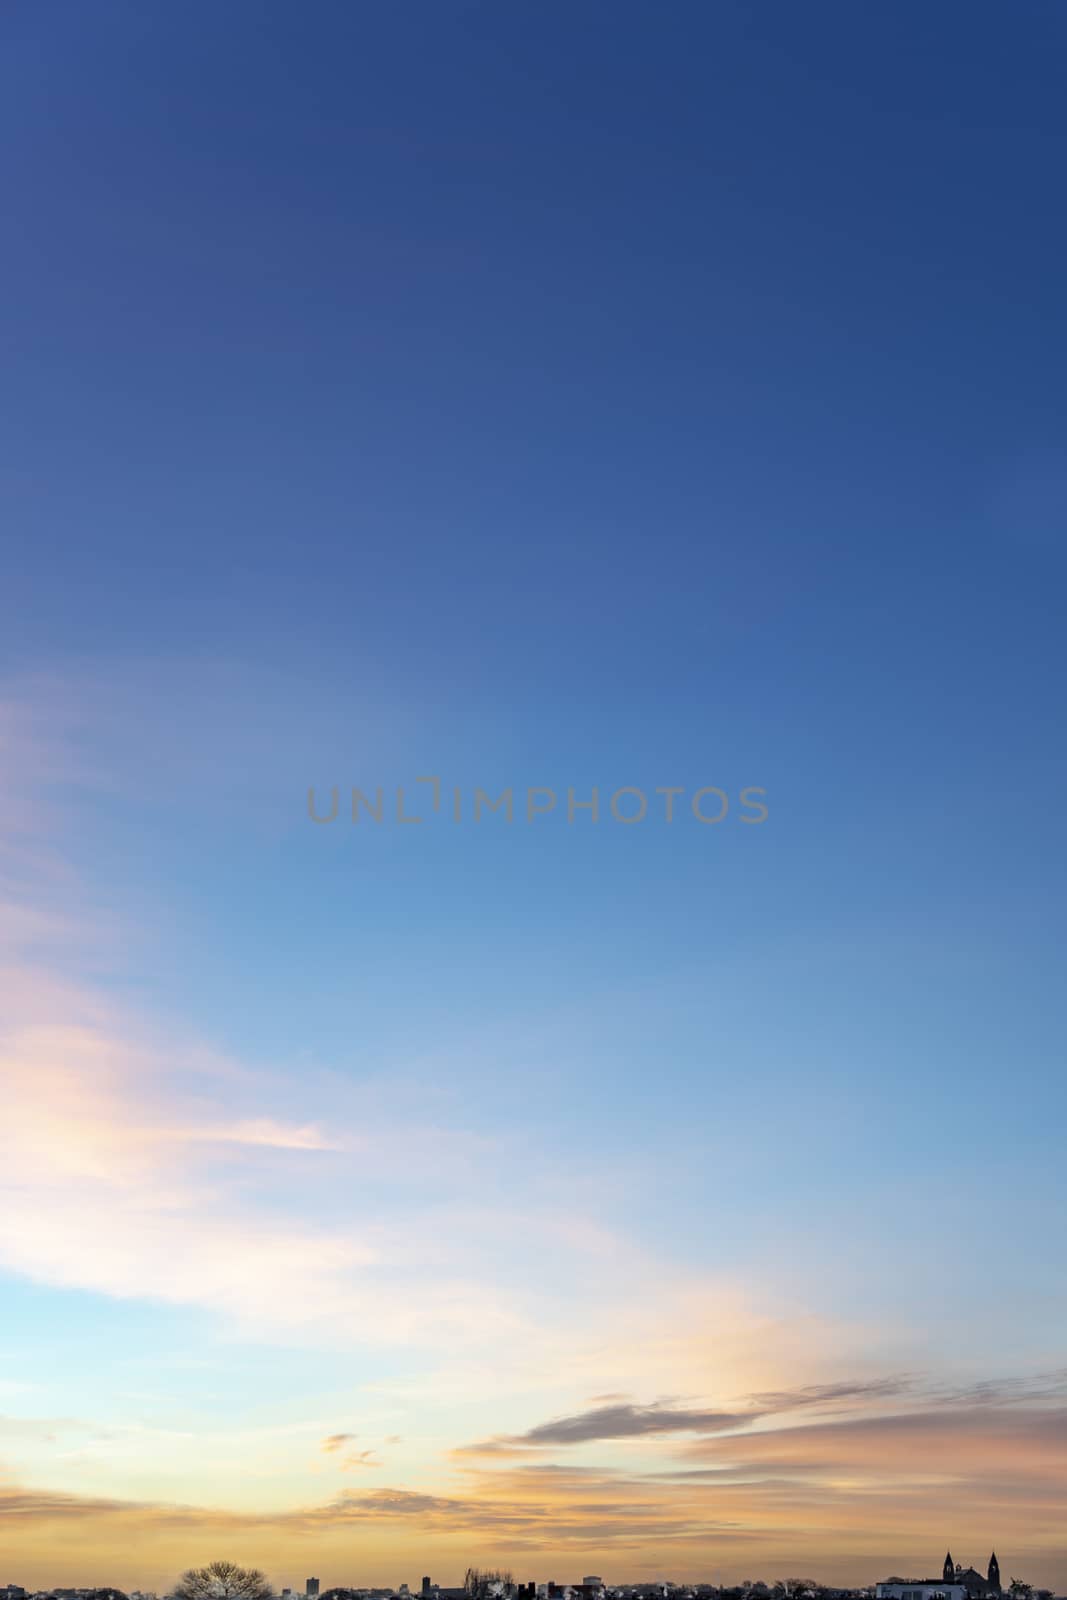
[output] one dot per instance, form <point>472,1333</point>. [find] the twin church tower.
<point>975,1585</point>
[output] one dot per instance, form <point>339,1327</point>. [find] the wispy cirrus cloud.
<point>831,1394</point>
<point>629,1422</point>
<point>609,1422</point>
<point>334,1442</point>
<point>623,1419</point>
<point>1029,1389</point>
<point>978,1444</point>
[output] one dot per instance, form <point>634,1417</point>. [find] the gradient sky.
<point>532,395</point>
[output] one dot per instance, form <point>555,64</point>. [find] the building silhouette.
<point>976,1586</point>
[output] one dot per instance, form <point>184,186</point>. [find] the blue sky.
<point>530,397</point>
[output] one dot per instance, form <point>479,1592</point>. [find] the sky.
<point>660,403</point>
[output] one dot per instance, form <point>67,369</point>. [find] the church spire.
<point>994,1572</point>
<point>948,1572</point>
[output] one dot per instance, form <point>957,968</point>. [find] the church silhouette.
<point>977,1587</point>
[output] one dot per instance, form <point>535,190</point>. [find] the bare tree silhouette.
<point>222,1580</point>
